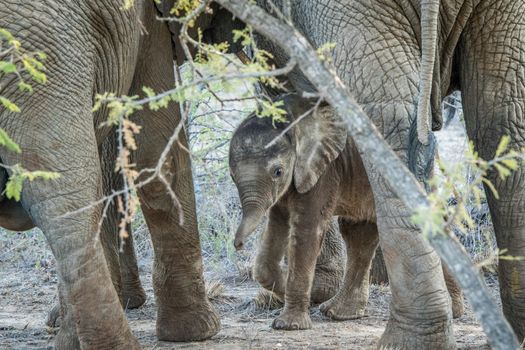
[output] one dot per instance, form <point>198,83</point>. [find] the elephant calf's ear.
<point>319,139</point>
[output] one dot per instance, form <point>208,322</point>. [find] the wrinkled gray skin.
<point>92,47</point>
<point>122,265</point>
<point>265,178</point>
<point>480,51</point>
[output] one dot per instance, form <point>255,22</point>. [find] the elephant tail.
<point>429,34</point>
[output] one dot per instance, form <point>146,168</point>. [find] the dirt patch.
<point>27,294</point>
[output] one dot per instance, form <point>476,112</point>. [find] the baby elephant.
<point>303,181</point>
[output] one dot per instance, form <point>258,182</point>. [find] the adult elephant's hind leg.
<point>133,295</point>
<point>387,88</point>
<point>492,55</point>
<point>361,243</point>
<point>330,266</point>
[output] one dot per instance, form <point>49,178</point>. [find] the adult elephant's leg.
<point>492,83</point>
<point>133,295</point>
<point>122,263</point>
<point>330,266</point>
<point>267,269</point>
<point>455,292</point>
<point>382,72</point>
<point>378,273</point>
<point>109,233</point>
<point>361,243</point>
<point>184,313</point>
<point>89,299</point>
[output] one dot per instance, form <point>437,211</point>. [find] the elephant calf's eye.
<point>278,172</point>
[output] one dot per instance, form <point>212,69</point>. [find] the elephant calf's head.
<point>265,163</point>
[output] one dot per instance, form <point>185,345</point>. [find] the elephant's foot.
<point>190,324</point>
<point>436,336</point>
<point>133,297</point>
<point>268,300</point>
<point>457,305</point>
<point>345,307</point>
<point>326,284</point>
<point>54,319</point>
<point>67,337</point>
<point>292,320</point>
<point>271,278</point>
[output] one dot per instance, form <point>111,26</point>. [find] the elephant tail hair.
<point>420,156</point>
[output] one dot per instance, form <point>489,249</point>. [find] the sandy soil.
<point>27,293</point>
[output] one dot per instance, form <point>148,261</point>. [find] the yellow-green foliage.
<point>439,217</point>
<point>17,61</point>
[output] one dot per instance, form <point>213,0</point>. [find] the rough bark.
<point>372,145</point>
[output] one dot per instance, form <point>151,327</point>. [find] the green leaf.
<point>512,164</point>
<point>491,187</point>
<point>7,67</point>
<point>6,141</point>
<point>502,171</point>
<point>4,33</point>
<point>9,105</point>
<point>13,187</point>
<point>503,144</point>
<point>23,86</point>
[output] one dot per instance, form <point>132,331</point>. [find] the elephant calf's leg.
<point>330,266</point>
<point>267,269</point>
<point>306,236</point>
<point>361,242</point>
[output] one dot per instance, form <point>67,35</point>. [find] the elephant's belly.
<point>357,210</point>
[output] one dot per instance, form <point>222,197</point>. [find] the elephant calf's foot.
<point>325,285</point>
<point>344,307</point>
<point>292,321</point>
<point>196,323</point>
<point>54,319</point>
<point>437,336</point>
<point>133,298</point>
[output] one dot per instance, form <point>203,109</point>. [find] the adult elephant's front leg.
<point>184,313</point>
<point>93,315</point>
<point>493,91</point>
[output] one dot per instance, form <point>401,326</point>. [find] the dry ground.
<point>27,293</point>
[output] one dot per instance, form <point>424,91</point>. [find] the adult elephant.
<point>93,47</point>
<point>479,48</point>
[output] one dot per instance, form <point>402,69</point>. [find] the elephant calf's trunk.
<point>250,221</point>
